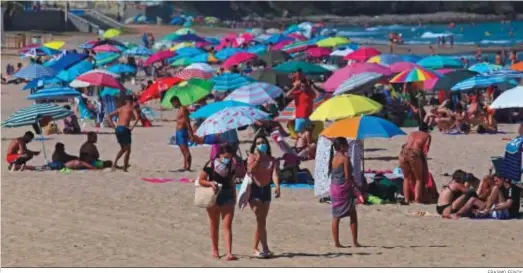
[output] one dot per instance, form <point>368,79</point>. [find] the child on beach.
<point>184,132</point>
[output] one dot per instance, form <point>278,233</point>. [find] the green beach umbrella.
<point>306,68</point>
<point>104,58</point>
<point>185,61</point>
<point>170,37</point>
<point>188,92</point>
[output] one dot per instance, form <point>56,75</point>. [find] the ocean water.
<point>485,34</point>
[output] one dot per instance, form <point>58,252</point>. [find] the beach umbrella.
<point>210,109</point>
<point>34,71</point>
<point>362,54</point>
<point>274,57</point>
<point>344,106</point>
<point>330,67</point>
<point>68,60</point>
<point>169,37</point>
<point>189,38</point>
<point>305,67</point>
<point>88,44</point>
<point>158,86</point>
<point>385,59</point>
<point>230,119</point>
<point>103,71</point>
<point>184,61</point>
<point>401,66</point>
<point>318,52</point>
<point>362,127</point>
<point>110,42</point>
<point>339,76</point>
<point>226,53</point>
<point>342,52</point>
<point>79,84</point>
<point>40,51</point>
<point>517,66</point>
<point>28,47</point>
<point>333,42</point>
<point>29,115</point>
<point>411,58</point>
<point>479,81</point>
<point>103,58</point>
<point>122,68</point>
<point>298,36</point>
<point>429,84</point>
<point>108,91</point>
<point>106,48</point>
<point>484,67</point>
<point>212,40</point>
<point>257,49</point>
<point>281,45</point>
<point>273,31</point>
<point>100,79</point>
<point>54,94</point>
<point>201,66</point>
<point>188,52</point>
<point>357,81</point>
<point>512,98</point>
<point>297,47</point>
<point>204,58</point>
<point>238,58</point>
<point>56,45</point>
<point>289,112</point>
<point>448,80</point>
<point>44,81</point>
<point>111,33</point>
<point>185,31</point>
<point>158,57</point>
<point>511,74</point>
<point>272,77</point>
<point>256,31</point>
<point>255,93</point>
<point>230,81</point>
<point>138,51</point>
<point>187,24</point>
<point>438,62</point>
<point>278,38</point>
<point>188,92</point>
<point>74,71</point>
<point>189,73</point>
<point>416,74</point>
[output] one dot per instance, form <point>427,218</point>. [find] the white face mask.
<point>221,168</point>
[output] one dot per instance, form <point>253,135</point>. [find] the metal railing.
<point>81,24</point>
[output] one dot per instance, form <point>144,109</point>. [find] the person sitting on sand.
<point>305,147</point>
<point>184,132</point>
<point>221,171</point>
<point>18,154</point>
<point>63,160</point>
<point>455,194</point>
<point>413,162</point>
<point>89,153</point>
<point>71,125</point>
<point>460,120</point>
<point>342,190</point>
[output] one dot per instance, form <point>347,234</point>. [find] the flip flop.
<point>263,255</point>
<point>232,258</point>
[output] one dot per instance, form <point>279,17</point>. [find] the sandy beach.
<point>104,219</point>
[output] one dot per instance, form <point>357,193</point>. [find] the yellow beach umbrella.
<point>345,106</point>
<point>55,44</point>
<point>182,45</point>
<point>333,42</point>
<point>111,33</point>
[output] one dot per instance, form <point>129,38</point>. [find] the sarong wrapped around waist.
<point>342,199</point>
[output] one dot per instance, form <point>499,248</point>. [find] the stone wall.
<point>45,20</point>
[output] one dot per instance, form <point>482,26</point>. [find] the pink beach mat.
<point>159,180</point>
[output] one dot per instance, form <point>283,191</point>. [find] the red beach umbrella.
<point>362,54</point>
<point>238,58</point>
<point>159,56</point>
<point>154,91</point>
<point>188,74</point>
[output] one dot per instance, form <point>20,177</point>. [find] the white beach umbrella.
<point>341,52</point>
<point>201,66</point>
<point>512,98</point>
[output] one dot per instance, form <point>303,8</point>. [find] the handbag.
<point>245,191</point>
<point>205,197</point>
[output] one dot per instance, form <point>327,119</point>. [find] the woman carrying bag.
<point>219,174</point>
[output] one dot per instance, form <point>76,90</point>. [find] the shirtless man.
<point>413,163</point>
<point>18,154</point>
<point>122,130</point>
<point>184,132</point>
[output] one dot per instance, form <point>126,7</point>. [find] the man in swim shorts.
<point>123,131</point>
<point>18,154</point>
<point>89,153</point>
<point>184,132</point>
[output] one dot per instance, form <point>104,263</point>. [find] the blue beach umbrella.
<point>188,52</point>
<point>225,53</point>
<point>363,127</point>
<point>103,58</point>
<point>212,40</point>
<point>484,68</point>
<point>75,71</point>
<point>230,81</point>
<point>439,62</point>
<point>257,49</point>
<point>122,68</point>
<point>210,109</point>
<point>107,91</point>
<point>138,51</point>
<point>511,74</point>
<point>67,60</point>
<point>35,71</point>
<point>411,58</point>
<point>479,81</point>
<point>54,94</point>
<point>278,38</point>
<point>45,81</point>
<point>189,38</point>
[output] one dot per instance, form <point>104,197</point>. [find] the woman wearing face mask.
<point>221,171</point>
<point>263,168</point>
<point>342,190</point>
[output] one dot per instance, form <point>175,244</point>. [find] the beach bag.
<point>205,197</point>
<point>245,192</point>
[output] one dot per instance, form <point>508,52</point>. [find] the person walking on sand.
<point>263,168</point>
<point>184,132</point>
<point>122,130</point>
<point>341,190</point>
<point>413,163</point>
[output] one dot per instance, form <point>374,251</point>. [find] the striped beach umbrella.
<point>299,46</point>
<point>289,112</point>
<point>230,81</point>
<point>416,74</point>
<point>230,119</point>
<point>210,109</point>
<point>356,81</point>
<point>188,74</point>
<point>511,74</point>
<point>34,71</point>
<point>104,58</point>
<point>54,94</point>
<point>484,67</point>
<point>479,81</point>
<point>29,115</point>
<point>255,93</point>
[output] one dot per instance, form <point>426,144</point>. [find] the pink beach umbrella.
<point>100,79</point>
<point>159,56</point>
<point>26,48</point>
<point>401,66</point>
<point>429,84</point>
<point>362,54</point>
<point>280,45</point>
<point>318,52</point>
<point>188,74</point>
<point>238,58</point>
<point>341,75</point>
<point>298,36</point>
<point>106,48</point>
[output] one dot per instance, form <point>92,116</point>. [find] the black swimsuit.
<point>455,195</point>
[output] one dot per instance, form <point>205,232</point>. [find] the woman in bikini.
<point>221,171</point>
<point>455,194</point>
<point>342,190</point>
<point>263,168</point>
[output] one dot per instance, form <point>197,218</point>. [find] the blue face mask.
<point>226,161</point>
<point>262,147</point>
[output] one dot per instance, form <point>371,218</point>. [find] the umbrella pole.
<point>43,144</point>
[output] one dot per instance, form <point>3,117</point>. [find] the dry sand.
<point>103,219</point>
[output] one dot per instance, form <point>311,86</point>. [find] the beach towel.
<point>244,191</point>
